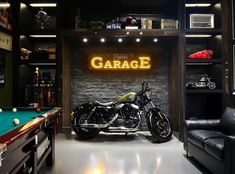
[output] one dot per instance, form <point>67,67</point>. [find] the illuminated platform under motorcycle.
<point>112,63</point>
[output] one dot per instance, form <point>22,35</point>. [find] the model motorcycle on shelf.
<point>123,116</point>
<point>204,82</point>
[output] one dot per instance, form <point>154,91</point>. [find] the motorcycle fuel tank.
<point>129,97</point>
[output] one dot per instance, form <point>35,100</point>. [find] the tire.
<point>159,126</point>
<point>211,85</point>
<point>83,133</point>
<point>190,84</point>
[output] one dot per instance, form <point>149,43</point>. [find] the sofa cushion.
<point>227,122</point>
<point>198,137</point>
<point>215,147</point>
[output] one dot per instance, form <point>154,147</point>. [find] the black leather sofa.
<point>212,142</point>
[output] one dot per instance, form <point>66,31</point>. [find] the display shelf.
<point>38,62</point>
<point>124,32</point>
<point>37,50</point>
<point>202,61</point>
<point>204,91</point>
<point>210,31</point>
<point>204,103</point>
<point>39,32</point>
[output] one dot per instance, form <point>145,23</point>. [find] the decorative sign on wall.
<point>119,62</point>
<point>5,41</point>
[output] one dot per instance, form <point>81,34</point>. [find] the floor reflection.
<point>120,154</point>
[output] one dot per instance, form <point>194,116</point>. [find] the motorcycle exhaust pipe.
<point>99,126</point>
<point>122,129</point>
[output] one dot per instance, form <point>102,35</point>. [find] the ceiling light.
<point>141,33</point>
<point>128,33</point>
<point>120,40</point>
<point>197,35</point>
<point>102,40</point>
<point>5,4</point>
<point>85,40</point>
<point>137,40</point>
<point>22,5</point>
<point>42,36</point>
<point>155,40</point>
<point>43,4</point>
<point>198,5</point>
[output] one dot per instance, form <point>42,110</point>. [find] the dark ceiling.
<point>124,3</point>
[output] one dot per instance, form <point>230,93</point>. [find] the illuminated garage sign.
<point>120,62</point>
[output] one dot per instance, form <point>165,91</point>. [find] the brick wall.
<point>88,85</point>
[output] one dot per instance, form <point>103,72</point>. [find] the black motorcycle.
<point>123,116</point>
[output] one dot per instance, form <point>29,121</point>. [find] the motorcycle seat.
<point>103,104</point>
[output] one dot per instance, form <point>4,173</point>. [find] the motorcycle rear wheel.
<point>159,126</point>
<point>83,133</point>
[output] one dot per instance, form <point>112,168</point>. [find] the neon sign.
<point>120,62</point>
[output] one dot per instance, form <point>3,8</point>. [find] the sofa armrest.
<point>229,154</point>
<point>211,124</point>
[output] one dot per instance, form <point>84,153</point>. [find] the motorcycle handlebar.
<point>145,87</point>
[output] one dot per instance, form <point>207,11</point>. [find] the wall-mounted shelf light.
<point>197,35</point>
<point>137,40</point>
<point>102,40</point>
<point>43,35</point>
<point>155,40</point>
<point>4,5</point>
<point>120,40</point>
<point>85,40</point>
<point>198,5</point>
<point>43,4</point>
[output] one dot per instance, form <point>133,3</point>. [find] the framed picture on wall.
<point>2,69</point>
<point>5,15</point>
<point>233,18</point>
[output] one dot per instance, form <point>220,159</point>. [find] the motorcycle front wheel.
<point>159,126</point>
<point>83,133</point>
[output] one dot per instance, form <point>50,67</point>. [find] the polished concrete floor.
<point>120,154</point>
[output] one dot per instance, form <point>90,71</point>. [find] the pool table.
<point>25,147</point>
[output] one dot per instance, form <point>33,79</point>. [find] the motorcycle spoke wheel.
<point>160,127</point>
<point>83,133</point>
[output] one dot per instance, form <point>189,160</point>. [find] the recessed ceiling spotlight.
<point>43,35</point>
<point>85,40</point>
<point>120,40</point>
<point>141,33</point>
<point>155,40</point>
<point>197,35</point>
<point>102,40</point>
<point>128,33</point>
<point>43,4</point>
<point>198,5</point>
<point>22,5</point>
<point>137,40</point>
<point>5,4</point>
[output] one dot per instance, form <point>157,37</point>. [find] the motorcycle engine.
<point>128,115</point>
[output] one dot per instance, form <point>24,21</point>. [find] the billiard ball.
<point>14,110</point>
<point>16,121</point>
<point>0,109</point>
<point>38,110</point>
